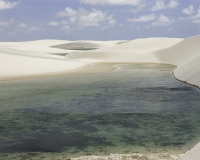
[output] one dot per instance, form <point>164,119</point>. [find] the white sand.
<point>193,154</point>
<point>46,43</point>
<point>131,157</point>
<point>29,58</point>
<point>37,57</point>
<point>186,56</point>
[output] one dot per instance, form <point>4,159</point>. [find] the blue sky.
<point>22,20</point>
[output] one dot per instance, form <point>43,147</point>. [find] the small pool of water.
<point>138,108</point>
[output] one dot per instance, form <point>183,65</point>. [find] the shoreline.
<point>63,156</point>
<point>185,81</point>
<point>90,68</point>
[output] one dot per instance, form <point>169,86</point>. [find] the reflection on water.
<point>139,108</point>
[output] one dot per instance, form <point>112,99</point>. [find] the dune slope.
<point>33,58</point>
<point>138,50</point>
<point>186,56</point>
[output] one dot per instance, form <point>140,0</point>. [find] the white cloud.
<point>7,5</point>
<point>145,18</point>
<point>160,5</point>
<point>112,2</point>
<point>22,25</point>
<point>34,28</point>
<point>196,16</point>
<point>173,4</point>
<point>53,23</point>
<point>63,24</point>
<point>6,24</point>
<point>69,12</point>
<point>92,19</point>
<point>84,17</point>
<point>162,21</point>
<point>111,21</point>
<point>139,8</point>
<point>189,10</point>
<point>27,28</point>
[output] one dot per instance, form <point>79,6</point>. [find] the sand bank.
<point>131,157</point>
<point>86,69</point>
<point>62,156</point>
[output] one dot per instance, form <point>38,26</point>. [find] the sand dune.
<point>46,43</point>
<point>145,45</point>
<point>26,58</point>
<point>39,57</point>
<point>185,55</point>
<point>132,51</point>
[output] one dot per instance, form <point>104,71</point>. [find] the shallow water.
<point>138,108</point>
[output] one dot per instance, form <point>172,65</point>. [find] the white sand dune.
<point>46,43</point>
<point>186,56</point>
<point>28,58</point>
<point>131,51</point>
<point>145,45</point>
<point>20,65</point>
<point>39,57</point>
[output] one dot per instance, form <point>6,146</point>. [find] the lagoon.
<point>139,108</point>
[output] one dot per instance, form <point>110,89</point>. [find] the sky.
<point>25,20</point>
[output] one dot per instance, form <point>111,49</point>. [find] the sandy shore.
<point>62,156</point>
<point>86,69</point>
<point>98,67</point>
<point>38,59</point>
<point>131,157</point>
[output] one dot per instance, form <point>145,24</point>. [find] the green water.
<point>138,108</point>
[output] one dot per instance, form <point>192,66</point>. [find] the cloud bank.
<point>7,5</point>
<point>112,2</point>
<point>160,5</point>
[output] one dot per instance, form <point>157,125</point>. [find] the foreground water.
<point>138,108</point>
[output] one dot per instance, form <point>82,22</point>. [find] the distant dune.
<point>51,56</point>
